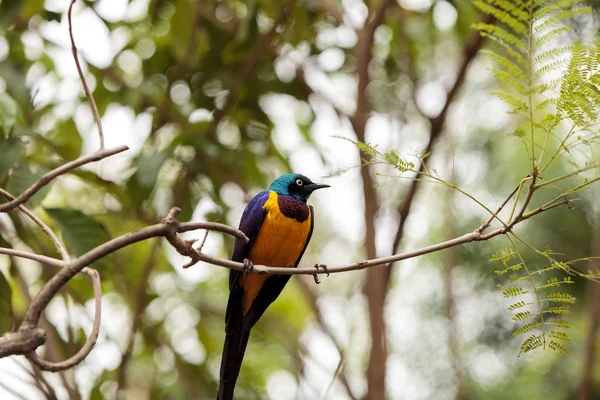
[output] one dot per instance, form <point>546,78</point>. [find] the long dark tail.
<point>236,339</point>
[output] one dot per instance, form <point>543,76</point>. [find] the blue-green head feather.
<point>295,185</point>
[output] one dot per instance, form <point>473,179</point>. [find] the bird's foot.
<point>318,267</point>
<point>248,267</point>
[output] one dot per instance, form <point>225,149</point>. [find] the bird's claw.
<point>248,267</point>
<point>320,266</point>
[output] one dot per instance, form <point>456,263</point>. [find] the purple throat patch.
<point>293,208</point>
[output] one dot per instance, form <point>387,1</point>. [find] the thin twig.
<point>49,176</point>
<point>32,256</point>
<point>59,246</point>
<point>86,88</point>
<point>494,215</point>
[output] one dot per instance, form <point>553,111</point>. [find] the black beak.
<point>314,186</point>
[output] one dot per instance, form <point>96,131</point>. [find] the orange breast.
<point>279,243</point>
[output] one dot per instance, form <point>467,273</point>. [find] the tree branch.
<point>90,341</point>
<point>28,337</point>
<point>21,342</point>
<point>49,176</point>
<point>374,286</point>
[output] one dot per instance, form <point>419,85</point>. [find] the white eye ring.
<point>299,182</point>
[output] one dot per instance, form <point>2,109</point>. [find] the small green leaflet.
<point>80,231</point>
<point>22,178</point>
<point>9,111</point>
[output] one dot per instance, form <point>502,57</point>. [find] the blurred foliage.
<point>202,72</point>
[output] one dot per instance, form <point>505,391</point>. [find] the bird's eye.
<point>299,182</point>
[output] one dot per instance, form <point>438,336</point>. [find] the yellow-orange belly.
<point>279,243</point>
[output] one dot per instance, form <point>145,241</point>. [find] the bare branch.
<point>28,337</point>
<point>49,176</point>
<point>32,256</point>
<point>91,340</point>
<point>93,274</point>
<point>23,341</point>
<point>495,215</point>
<point>162,229</point>
<point>86,88</point>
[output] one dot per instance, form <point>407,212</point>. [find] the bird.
<point>279,225</point>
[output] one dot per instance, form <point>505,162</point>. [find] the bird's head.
<point>295,185</point>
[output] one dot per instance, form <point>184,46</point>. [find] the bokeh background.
<point>216,99</point>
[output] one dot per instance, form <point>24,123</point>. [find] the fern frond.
<point>515,267</point>
<point>551,67</point>
<point>560,17</point>
<point>505,255</point>
<point>552,53</point>
<point>563,336</point>
<point>561,323</point>
<point>554,282</point>
<point>516,10</point>
<point>561,310</point>
<point>522,316</point>
<point>501,34</point>
<point>546,103</point>
<point>514,292</point>
<point>561,298</point>
<point>527,328</point>
<point>531,343</point>
<point>558,347</point>
<point>509,80</point>
<point>518,105</point>
<point>509,66</point>
<point>547,37</point>
<point>553,7</point>
<point>503,16</point>
<point>518,304</point>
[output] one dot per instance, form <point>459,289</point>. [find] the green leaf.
<point>148,168</point>
<point>12,150</point>
<point>21,178</point>
<point>65,140</point>
<point>8,113</point>
<point>80,231</point>
<point>6,314</point>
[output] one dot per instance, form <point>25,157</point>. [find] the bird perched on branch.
<point>279,224</point>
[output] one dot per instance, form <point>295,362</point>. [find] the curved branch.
<point>49,176</point>
<point>22,341</point>
<point>32,256</point>
<point>164,228</point>
<point>90,341</point>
